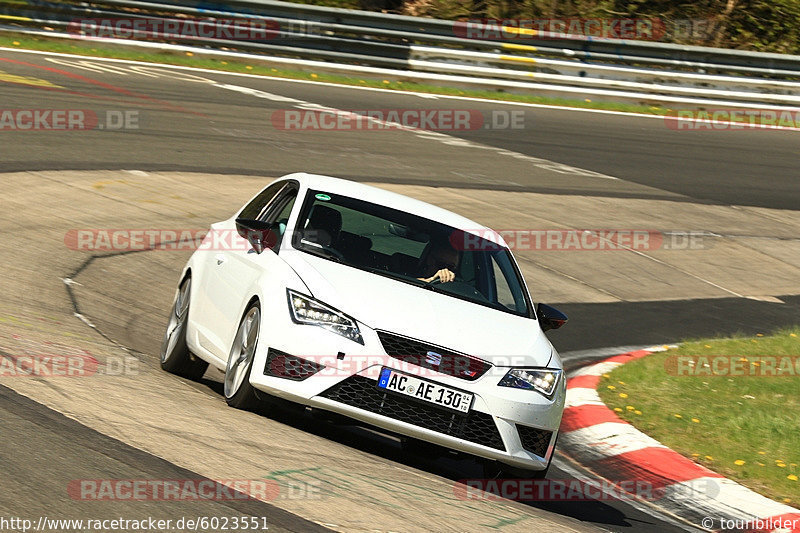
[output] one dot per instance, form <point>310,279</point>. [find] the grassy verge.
<point>746,427</point>
<point>97,49</point>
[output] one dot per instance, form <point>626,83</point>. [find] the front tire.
<point>239,393</point>
<point>175,355</point>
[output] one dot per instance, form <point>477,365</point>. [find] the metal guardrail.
<point>646,71</point>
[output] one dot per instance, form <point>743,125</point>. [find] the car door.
<point>234,271</point>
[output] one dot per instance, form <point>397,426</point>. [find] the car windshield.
<point>411,249</point>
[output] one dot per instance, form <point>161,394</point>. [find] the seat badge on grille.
<point>433,358</point>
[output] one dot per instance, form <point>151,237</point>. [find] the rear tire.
<point>239,393</point>
<point>175,355</point>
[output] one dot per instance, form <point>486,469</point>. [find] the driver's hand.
<point>444,275</point>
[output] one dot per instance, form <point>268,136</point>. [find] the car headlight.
<point>306,310</point>
<point>542,380</point>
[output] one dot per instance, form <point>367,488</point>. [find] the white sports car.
<point>348,298</point>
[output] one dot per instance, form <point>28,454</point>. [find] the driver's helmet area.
<point>439,254</point>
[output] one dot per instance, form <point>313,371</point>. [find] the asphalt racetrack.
<point>182,149</point>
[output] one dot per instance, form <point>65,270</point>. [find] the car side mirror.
<point>550,317</point>
<point>260,235</point>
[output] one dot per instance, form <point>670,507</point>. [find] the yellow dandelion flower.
<point>743,359</point>
<point>621,382</point>
<point>605,375</point>
<point>248,67</point>
<point>760,464</point>
<point>623,395</point>
<point>386,82</point>
<point>587,100</point>
<point>738,462</point>
<point>676,415</point>
<point>696,420</point>
<point>791,477</point>
<point>781,465</point>
<point>362,81</point>
<point>638,412</point>
<point>315,76</point>
<point>754,341</point>
<point>224,62</point>
<point>695,455</point>
<point>15,43</point>
<point>630,408</point>
<point>762,453</point>
<point>273,70</point>
<point>787,500</point>
<point>610,387</point>
<point>618,409</point>
<point>759,334</point>
<point>793,334</point>
<point>708,346</point>
<point>709,458</point>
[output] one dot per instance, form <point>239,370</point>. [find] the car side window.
<point>277,214</point>
<point>258,207</point>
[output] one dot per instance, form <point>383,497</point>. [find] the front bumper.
<point>512,426</point>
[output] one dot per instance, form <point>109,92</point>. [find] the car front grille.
<point>363,393</point>
<point>433,357</point>
<point>534,440</point>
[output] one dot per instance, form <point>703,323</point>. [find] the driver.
<point>441,262</point>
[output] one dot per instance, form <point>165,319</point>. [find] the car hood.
<point>390,305</point>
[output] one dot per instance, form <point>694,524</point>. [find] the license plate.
<point>424,390</point>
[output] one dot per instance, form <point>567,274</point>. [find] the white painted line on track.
<point>582,396</point>
<point>608,439</point>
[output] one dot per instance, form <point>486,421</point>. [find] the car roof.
<point>386,198</point>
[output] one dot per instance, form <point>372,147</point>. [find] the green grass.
<point>744,427</point>
<point>254,66</point>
